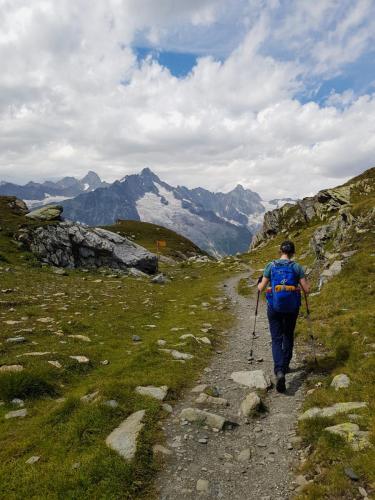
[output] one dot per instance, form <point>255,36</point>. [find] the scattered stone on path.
<point>199,388</point>
<point>255,379</point>
<point>56,364</point>
<point>123,439</point>
<point>80,359</point>
<point>340,381</point>
<point>250,404</point>
<point>331,411</point>
<point>210,419</point>
<point>177,354</point>
<point>203,486</point>
<point>80,337</point>
<point>11,368</point>
<point>32,460</point>
<point>357,439</point>
<point>16,414</point>
<point>158,449</point>
<point>204,340</point>
<point>244,455</point>
<point>159,393</point>
<point>204,398</point>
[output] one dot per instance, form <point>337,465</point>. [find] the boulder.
<point>255,379</point>
<point>17,206</point>
<point>340,381</point>
<point>211,419</point>
<point>357,439</point>
<point>331,411</point>
<point>123,439</point>
<point>159,393</point>
<point>250,404</point>
<point>48,213</point>
<point>70,245</point>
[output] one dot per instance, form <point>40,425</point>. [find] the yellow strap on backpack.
<point>286,288</point>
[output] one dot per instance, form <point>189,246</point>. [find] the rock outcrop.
<point>51,212</point>
<point>72,245</point>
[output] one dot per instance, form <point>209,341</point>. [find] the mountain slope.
<point>216,222</point>
<point>36,194</point>
<point>335,240</point>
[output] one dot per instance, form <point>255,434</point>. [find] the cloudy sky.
<point>278,95</point>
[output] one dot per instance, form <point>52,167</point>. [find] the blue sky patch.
<point>179,64</point>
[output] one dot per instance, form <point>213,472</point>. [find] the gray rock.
<point>204,398</point>
<point>340,381</point>
<point>255,379</point>
<point>16,414</point>
<point>32,460</point>
<point>160,279</point>
<point>71,245</point>
<point>89,398</point>
<point>159,393</point>
<point>331,411</point>
<point>49,213</point>
<point>199,388</point>
<point>244,455</point>
<point>80,359</point>
<point>136,338</point>
<point>123,439</point>
<point>177,354</point>
<point>203,486</point>
<point>111,403</point>
<point>11,368</point>
<point>210,419</point>
<point>15,340</point>
<point>250,404</point>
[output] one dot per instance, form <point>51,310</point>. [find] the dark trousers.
<point>282,327</point>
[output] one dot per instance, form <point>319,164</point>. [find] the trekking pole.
<point>255,322</point>
<point>309,327</point>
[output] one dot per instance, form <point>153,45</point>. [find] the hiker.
<point>284,278</point>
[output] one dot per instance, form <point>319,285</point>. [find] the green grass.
<point>68,434</point>
<point>146,235</point>
<point>343,317</point>
<point>244,287</point>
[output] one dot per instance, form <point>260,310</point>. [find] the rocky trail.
<point>253,459</point>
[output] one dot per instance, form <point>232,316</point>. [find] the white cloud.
<point>73,96</point>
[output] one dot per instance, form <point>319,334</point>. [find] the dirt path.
<point>267,475</point>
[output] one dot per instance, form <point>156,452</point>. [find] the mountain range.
<point>36,194</point>
<point>219,223</point>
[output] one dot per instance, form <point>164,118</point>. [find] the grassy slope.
<point>109,312</point>
<point>146,234</point>
<point>344,306</point>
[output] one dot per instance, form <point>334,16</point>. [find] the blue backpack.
<point>284,295</point>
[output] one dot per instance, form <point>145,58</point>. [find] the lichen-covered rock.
<point>357,439</point>
<point>68,244</point>
<point>48,213</point>
<point>17,206</point>
<point>331,411</point>
<point>159,393</point>
<point>340,381</point>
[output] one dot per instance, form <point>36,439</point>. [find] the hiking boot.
<point>280,382</point>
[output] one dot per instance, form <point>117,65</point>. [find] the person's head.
<point>287,248</point>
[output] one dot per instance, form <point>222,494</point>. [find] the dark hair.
<point>288,248</point>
